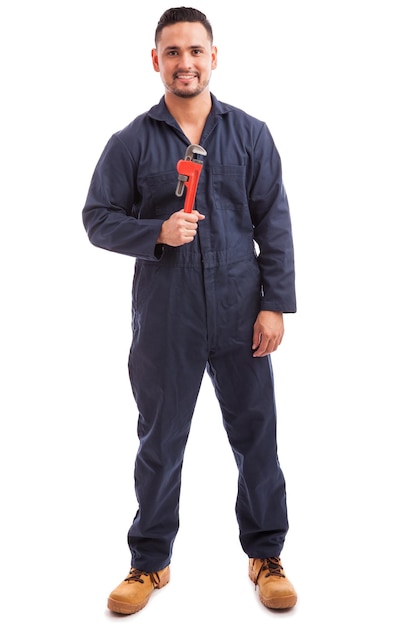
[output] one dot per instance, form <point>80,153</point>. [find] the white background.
<point>335,81</point>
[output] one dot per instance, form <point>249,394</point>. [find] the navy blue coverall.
<point>193,308</point>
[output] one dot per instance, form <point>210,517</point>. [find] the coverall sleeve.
<point>272,226</point>
<point>108,214</point>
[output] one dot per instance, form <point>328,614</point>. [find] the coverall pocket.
<point>160,192</point>
<point>144,283</point>
<point>229,189</point>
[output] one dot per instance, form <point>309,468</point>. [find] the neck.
<point>189,110</point>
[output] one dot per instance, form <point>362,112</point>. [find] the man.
<point>203,298</point>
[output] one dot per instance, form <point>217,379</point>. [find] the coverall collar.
<point>161,113</point>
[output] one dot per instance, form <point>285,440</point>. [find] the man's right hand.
<point>180,228</point>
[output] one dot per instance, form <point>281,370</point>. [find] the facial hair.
<point>186,93</point>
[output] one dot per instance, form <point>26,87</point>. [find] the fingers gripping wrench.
<point>189,170</point>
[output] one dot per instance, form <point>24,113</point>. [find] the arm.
<point>272,226</point>
<point>108,214</point>
<point>273,233</point>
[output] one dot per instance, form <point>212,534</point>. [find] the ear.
<point>213,57</point>
<point>155,61</point>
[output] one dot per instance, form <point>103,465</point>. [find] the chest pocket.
<point>159,196</point>
<point>229,188</point>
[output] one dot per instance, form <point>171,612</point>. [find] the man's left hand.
<point>268,332</point>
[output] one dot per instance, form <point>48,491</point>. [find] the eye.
<point>197,52</point>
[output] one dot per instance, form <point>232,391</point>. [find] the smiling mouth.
<point>185,76</point>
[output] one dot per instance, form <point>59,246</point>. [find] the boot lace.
<point>135,575</point>
<point>272,566</point>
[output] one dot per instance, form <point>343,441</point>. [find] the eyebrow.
<point>193,47</point>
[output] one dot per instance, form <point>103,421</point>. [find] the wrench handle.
<point>189,175</point>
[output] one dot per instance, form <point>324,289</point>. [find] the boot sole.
<point>124,608</point>
<point>287,602</point>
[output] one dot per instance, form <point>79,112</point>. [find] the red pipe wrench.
<point>189,170</point>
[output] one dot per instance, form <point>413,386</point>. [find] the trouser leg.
<point>166,365</point>
<point>245,389</point>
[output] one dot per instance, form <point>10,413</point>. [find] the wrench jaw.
<point>189,170</point>
<point>193,149</point>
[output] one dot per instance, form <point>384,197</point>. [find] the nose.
<point>185,59</point>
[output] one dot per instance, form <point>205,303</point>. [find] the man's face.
<point>185,58</point>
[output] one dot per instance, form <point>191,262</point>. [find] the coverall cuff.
<point>279,307</point>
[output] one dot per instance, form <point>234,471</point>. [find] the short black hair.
<point>182,14</point>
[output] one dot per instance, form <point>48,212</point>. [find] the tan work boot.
<point>134,592</point>
<point>275,590</point>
